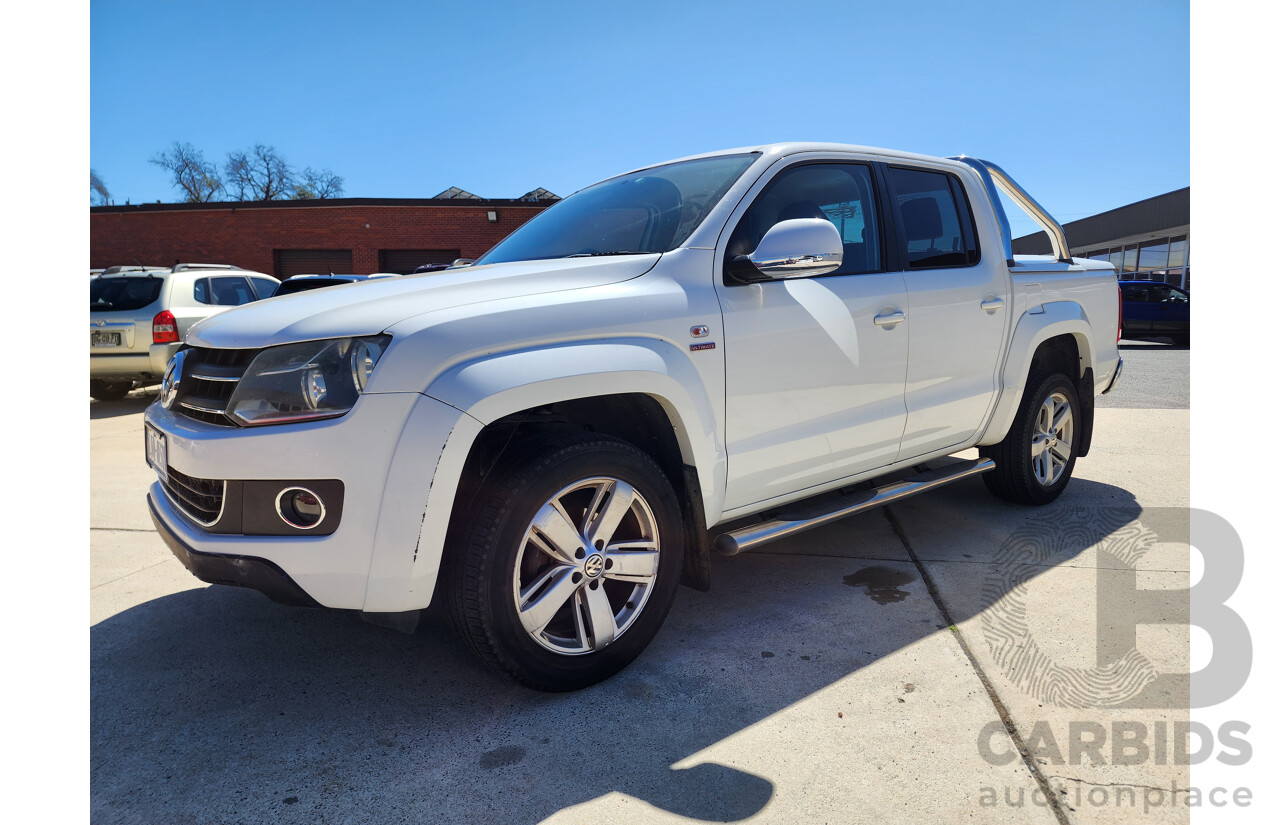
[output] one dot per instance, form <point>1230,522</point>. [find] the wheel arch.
<point>1059,339</point>
<point>644,391</point>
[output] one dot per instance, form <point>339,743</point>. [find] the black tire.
<point>482,581</point>
<point>1015,477</point>
<point>109,390</point>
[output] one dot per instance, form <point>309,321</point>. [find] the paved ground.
<point>854,674</point>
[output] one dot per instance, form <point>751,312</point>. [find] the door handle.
<point>992,304</point>
<point>888,319</point>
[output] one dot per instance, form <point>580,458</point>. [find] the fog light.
<point>299,507</point>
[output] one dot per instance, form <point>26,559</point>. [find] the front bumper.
<point>239,571</point>
<point>384,451</point>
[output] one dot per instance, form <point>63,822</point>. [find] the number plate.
<point>157,451</point>
<point>104,339</point>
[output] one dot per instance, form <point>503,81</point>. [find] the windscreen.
<point>304,284</point>
<point>116,294</point>
<point>650,211</point>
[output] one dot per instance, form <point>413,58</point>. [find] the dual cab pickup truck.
<point>549,438</point>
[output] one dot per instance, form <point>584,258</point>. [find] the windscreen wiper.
<point>602,254</point>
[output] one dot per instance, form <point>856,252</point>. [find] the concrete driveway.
<point>937,660</point>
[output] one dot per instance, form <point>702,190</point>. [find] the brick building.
<point>283,238</point>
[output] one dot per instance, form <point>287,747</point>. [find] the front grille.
<point>199,498</point>
<point>209,377</point>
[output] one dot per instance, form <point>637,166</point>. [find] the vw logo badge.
<point>172,378</point>
<point>594,565</point>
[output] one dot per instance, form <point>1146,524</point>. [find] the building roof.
<point>454,193</point>
<point>1157,214</point>
<point>315,203</point>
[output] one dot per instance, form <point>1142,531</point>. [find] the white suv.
<point>139,315</point>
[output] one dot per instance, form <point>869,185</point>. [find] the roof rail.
<point>184,267</point>
<point>992,177</point>
<point>115,270</point>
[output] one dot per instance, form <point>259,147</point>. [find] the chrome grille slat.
<point>200,499</point>
<point>210,381</point>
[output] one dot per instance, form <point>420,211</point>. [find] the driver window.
<point>842,193</point>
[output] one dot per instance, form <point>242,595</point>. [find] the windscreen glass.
<point>650,211</point>
<point>304,284</point>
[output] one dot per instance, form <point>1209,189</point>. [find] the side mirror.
<point>797,248</point>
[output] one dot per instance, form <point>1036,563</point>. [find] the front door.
<point>814,384</point>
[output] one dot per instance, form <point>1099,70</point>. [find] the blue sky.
<point>1087,104</point>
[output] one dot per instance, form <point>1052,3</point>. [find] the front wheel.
<point>568,562</point>
<point>1036,457</point>
<point>109,390</point>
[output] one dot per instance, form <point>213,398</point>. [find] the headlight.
<point>305,382</point>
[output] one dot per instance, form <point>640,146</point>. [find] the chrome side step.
<point>782,526</point>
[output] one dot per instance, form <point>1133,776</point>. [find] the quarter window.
<point>842,193</point>
<point>227,292</point>
<point>936,220</point>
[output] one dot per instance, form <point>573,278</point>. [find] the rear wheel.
<point>1036,457</point>
<point>109,390</point>
<point>568,564</point>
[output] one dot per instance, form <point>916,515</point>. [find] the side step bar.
<point>745,538</point>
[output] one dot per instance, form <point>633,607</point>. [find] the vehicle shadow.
<point>215,705</point>
<point>134,402</point>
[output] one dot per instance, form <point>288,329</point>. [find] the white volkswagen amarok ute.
<point>549,438</point>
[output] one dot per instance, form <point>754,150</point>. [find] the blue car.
<point>1151,309</point>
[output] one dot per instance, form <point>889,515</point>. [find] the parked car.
<point>1152,309</point>
<point>303,283</point>
<point>138,316</point>
<point>557,436</point>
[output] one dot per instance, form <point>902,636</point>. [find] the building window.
<point>405,261</point>
<point>290,262</point>
<point>1130,257</point>
<point>1153,256</point>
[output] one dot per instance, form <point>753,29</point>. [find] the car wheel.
<point>567,563</point>
<point>109,390</point>
<point>1036,457</point>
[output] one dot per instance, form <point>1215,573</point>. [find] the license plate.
<point>104,339</point>
<point>157,451</point>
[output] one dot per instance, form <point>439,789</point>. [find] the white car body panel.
<point>801,392</point>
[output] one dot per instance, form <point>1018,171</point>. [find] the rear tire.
<point>568,562</point>
<point>109,390</point>
<point>1035,460</point>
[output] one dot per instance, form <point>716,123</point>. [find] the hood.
<point>369,307</point>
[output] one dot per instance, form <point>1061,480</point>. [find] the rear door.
<point>956,315</point>
<point>1137,306</point>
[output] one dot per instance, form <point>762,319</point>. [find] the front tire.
<point>1035,460</point>
<point>109,390</point>
<point>568,562</point>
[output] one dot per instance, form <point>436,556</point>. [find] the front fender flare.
<point>488,388</point>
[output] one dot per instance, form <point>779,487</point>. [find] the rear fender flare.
<point>1033,329</point>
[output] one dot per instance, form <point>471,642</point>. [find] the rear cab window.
<point>934,218</point>
<point>123,294</point>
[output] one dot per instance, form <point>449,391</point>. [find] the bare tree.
<point>99,189</point>
<point>189,172</point>
<point>317,184</point>
<point>259,174</point>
